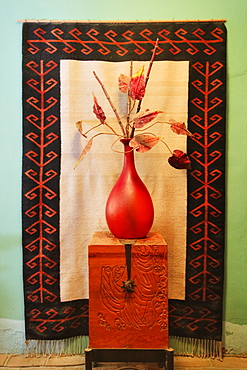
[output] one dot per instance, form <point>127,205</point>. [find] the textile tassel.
<point>204,348</point>
<point>68,346</point>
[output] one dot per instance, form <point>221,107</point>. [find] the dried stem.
<point>88,146</point>
<point>146,80</point>
<point>100,124</point>
<point>129,103</point>
<point>102,133</point>
<point>151,61</point>
<point>111,103</point>
<point>92,128</point>
<point>184,129</point>
<point>166,146</point>
<point>154,123</point>
<point>119,151</point>
<point>111,128</point>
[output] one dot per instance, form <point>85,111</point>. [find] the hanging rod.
<point>113,21</point>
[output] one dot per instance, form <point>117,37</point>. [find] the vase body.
<point>129,208</point>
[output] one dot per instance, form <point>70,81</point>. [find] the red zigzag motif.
<point>204,263</point>
<point>105,42</point>
<point>41,264</point>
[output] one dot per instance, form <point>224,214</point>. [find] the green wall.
<point>235,12</point>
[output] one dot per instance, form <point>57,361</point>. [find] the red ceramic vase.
<point>129,208</point>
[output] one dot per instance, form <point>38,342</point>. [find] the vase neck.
<point>128,153</point>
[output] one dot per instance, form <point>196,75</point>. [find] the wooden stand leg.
<point>169,359</point>
<point>88,359</point>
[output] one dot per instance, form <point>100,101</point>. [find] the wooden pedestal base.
<point>162,357</point>
<point>128,325</point>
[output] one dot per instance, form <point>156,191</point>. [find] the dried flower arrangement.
<point>134,86</point>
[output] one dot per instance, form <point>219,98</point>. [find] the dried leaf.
<point>179,128</point>
<point>123,83</point>
<point>137,85</point>
<point>145,117</point>
<point>98,111</point>
<point>80,128</point>
<point>179,160</point>
<point>84,152</point>
<point>143,143</point>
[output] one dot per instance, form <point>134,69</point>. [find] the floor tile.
<point>183,361</point>
<point>3,358</point>
<point>65,360</point>
<point>231,363</point>
<point>39,368</point>
<point>21,361</point>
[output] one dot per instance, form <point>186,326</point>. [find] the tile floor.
<point>20,362</point>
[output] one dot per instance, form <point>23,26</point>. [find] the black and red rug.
<point>203,44</point>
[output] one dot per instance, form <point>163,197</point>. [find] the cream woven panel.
<point>84,191</point>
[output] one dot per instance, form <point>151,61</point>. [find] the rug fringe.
<point>204,348</point>
<point>182,346</point>
<point>60,347</point>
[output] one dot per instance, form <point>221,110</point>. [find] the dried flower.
<point>98,111</point>
<point>142,118</point>
<point>143,143</point>
<point>179,128</point>
<point>179,160</point>
<point>123,83</point>
<point>135,87</point>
